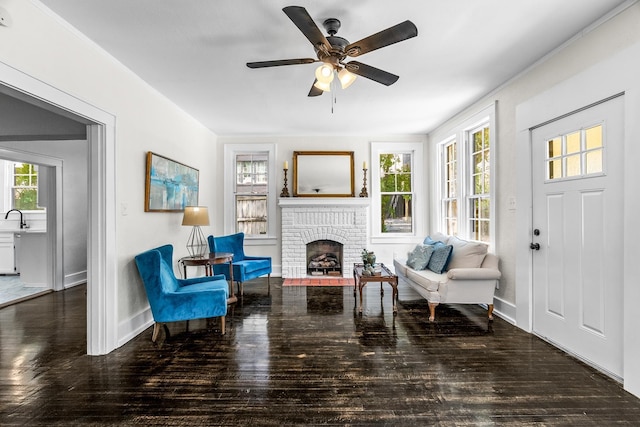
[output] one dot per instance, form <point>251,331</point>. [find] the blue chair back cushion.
<point>172,299</point>
<point>233,243</point>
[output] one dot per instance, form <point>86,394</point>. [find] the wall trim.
<point>102,291</point>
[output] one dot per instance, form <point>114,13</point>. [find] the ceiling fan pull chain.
<point>333,94</point>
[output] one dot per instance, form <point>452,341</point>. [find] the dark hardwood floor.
<point>299,356</point>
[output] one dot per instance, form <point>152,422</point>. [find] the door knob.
<point>535,246</point>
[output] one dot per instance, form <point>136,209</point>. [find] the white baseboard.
<point>505,310</point>
<point>132,327</point>
<point>71,280</point>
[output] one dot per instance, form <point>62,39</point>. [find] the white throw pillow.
<point>466,254</point>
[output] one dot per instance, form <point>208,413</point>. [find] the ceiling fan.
<point>333,50</point>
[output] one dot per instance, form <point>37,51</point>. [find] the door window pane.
<point>575,154</point>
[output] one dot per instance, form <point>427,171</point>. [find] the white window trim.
<point>419,215</point>
<point>462,134</point>
<point>442,182</point>
<point>6,183</point>
<point>230,153</point>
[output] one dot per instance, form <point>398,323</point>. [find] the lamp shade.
<point>323,86</point>
<point>346,78</point>
<point>324,73</point>
<point>195,215</point>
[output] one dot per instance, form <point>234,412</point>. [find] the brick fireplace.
<point>310,219</point>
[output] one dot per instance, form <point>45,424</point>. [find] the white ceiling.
<point>195,51</point>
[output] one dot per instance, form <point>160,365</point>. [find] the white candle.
<point>286,164</point>
<point>364,165</point>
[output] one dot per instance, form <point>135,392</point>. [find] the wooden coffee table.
<point>208,262</point>
<point>385,276</point>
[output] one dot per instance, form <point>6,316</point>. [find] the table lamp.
<point>196,216</point>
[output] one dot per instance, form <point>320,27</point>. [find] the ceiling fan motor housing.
<point>336,54</point>
<point>331,25</point>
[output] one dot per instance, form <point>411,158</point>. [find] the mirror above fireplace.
<point>323,174</point>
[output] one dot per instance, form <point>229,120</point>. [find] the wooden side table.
<point>208,262</point>
<point>386,276</point>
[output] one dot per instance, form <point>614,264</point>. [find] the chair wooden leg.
<point>490,311</point>
<point>156,331</point>
<point>223,323</point>
<point>432,311</point>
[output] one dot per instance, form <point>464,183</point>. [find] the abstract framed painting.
<point>170,185</point>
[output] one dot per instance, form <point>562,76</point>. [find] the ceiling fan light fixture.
<point>326,87</point>
<point>324,73</point>
<point>346,78</point>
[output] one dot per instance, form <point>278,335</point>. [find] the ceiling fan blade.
<point>305,23</point>
<point>277,63</point>
<point>403,31</point>
<point>314,90</point>
<point>372,73</point>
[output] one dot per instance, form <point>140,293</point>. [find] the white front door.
<point>577,223</point>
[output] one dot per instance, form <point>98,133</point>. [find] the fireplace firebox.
<point>324,258</point>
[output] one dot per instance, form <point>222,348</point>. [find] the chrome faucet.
<point>22,223</point>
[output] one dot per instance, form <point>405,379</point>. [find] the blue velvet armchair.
<point>245,267</point>
<point>172,299</point>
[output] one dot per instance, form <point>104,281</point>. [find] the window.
<point>251,193</point>
<point>479,197</point>
<point>24,186</point>
<point>396,192</point>
<point>250,190</point>
<point>396,181</point>
<point>450,190</point>
<point>465,191</point>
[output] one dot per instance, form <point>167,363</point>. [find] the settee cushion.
<point>466,254</point>
<point>419,257</point>
<point>440,257</point>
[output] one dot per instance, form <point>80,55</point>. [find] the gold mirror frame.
<point>323,174</point>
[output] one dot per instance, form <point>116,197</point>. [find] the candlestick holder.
<point>363,192</point>
<point>285,190</point>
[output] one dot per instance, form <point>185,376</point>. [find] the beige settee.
<point>470,276</point>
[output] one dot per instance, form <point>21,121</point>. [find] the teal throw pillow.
<point>440,257</point>
<point>429,241</point>
<point>419,257</point>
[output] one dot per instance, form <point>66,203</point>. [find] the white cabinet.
<point>7,253</point>
<point>32,255</point>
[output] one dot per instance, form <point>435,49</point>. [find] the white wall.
<point>286,145</point>
<point>585,51</point>
<point>597,64</point>
<point>39,45</point>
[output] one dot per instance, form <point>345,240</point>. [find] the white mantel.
<point>323,201</point>
<point>307,219</point>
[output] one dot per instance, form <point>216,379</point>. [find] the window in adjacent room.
<point>250,190</point>
<point>24,186</point>
<point>395,182</point>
